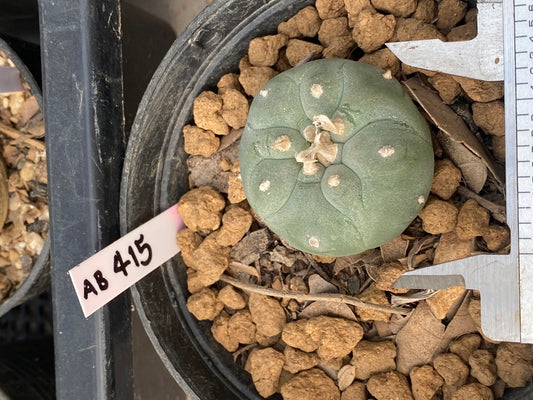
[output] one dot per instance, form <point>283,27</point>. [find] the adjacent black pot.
<point>39,278</point>
<point>155,176</point>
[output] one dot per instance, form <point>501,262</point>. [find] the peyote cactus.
<point>335,158</point>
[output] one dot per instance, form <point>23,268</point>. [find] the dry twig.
<point>331,297</point>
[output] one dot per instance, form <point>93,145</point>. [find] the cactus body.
<point>335,158</point>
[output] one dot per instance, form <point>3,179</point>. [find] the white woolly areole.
<point>386,151</point>
<point>334,181</point>
<point>314,242</point>
<point>282,143</point>
<point>264,186</point>
<point>421,199</point>
<point>316,90</point>
<point>264,92</point>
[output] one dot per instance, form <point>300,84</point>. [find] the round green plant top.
<point>335,157</point>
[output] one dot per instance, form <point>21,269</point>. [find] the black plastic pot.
<point>39,278</point>
<point>155,176</point>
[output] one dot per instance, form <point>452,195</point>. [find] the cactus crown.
<point>335,158</point>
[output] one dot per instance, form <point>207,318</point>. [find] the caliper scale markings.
<point>504,280</point>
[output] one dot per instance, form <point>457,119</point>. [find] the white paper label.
<point>105,275</point>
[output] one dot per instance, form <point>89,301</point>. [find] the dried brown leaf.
<point>394,249</point>
<point>328,308</point>
<point>419,340</point>
<point>208,171</point>
<point>461,324</point>
<point>398,300</point>
<point>317,284</point>
<point>457,140</point>
<point>364,258</point>
<point>393,326</point>
<point>228,140</point>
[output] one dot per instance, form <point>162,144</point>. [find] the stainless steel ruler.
<point>504,281</point>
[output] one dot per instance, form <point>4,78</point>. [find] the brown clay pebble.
<point>388,273</point>
<point>415,29</point>
<point>308,21</point>
<point>425,382</point>
<point>451,248</point>
<point>334,364</point>
<point>235,189</point>
<point>441,303</point>
<point>231,298</point>
<point>252,79</point>
<point>438,216</point>
<point>426,11</point>
<point>514,362</point>
<point>446,179</point>
<point>297,50</point>
<point>210,260</point>
<point>399,8</point>
<point>373,295</point>
<point>204,305</point>
<point>497,237</point>
<point>234,108</point>
<point>450,13</point>
<point>389,385</point>
<point>339,47</point>
<point>447,87</point>
<point>188,241</point>
<point>371,30</point>
<point>481,91</point>
<point>384,59</point>
<point>330,8</point>
<point>241,326</point>
<point>372,357</point>
<point>474,309</point>
<point>207,108</point>
<point>265,366</point>
<point>219,329</point>
<point>356,391</point>
<point>199,142</point>
<point>228,81</point>
<point>451,368</point>
<point>194,281</point>
<point>332,29</point>
<point>289,28</point>
<point>465,345</point>
<point>473,391</point>
<point>462,33</point>
<point>236,221</point>
<point>264,51</point>
<point>330,337</point>
<point>490,117</point>
<point>354,7</point>
<point>312,384</point>
<point>200,209</point>
<point>267,314</point>
<point>482,367</point>
<point>298,360</point>
<point>472,220</point>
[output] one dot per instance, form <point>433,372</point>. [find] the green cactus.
<point>335,157</point>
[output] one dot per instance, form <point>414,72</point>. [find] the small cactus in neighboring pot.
<point>335,157</point>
